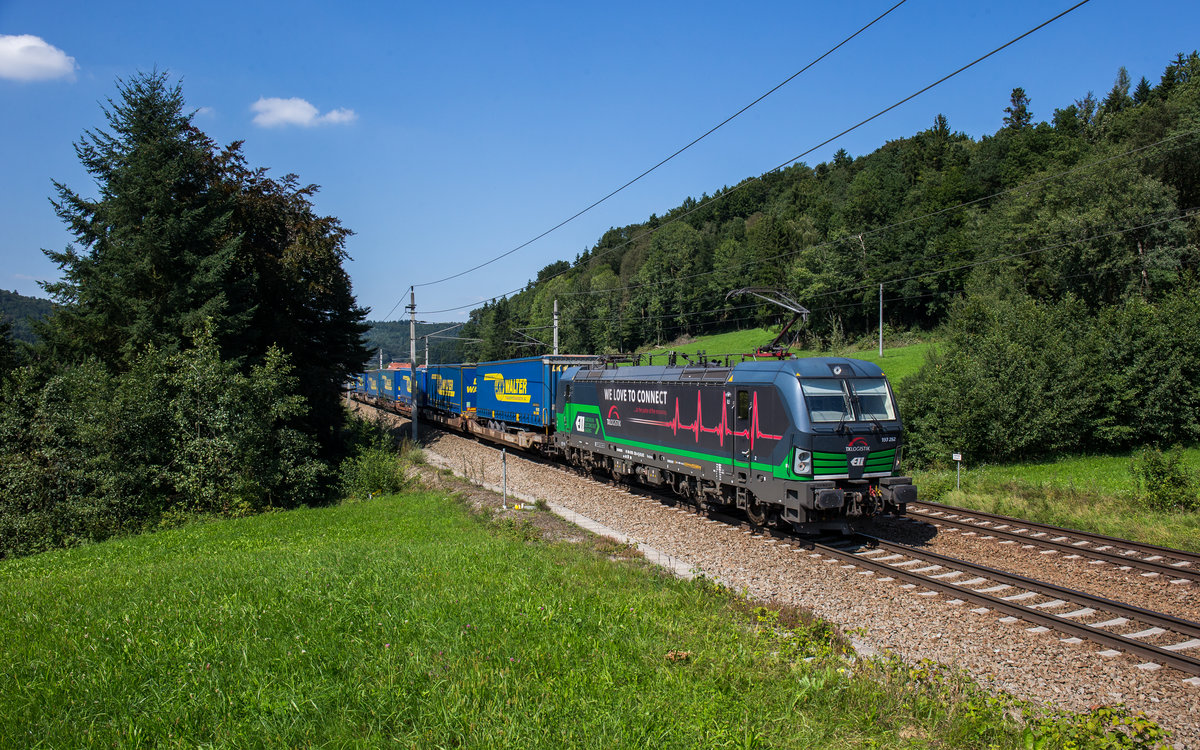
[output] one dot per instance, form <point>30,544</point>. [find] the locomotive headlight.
<point>899,453</point>
<point>802,462</point>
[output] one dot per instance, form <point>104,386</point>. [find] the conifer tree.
<point>184,237</point>
<point>1143,92</point>
<point>156,257</point>
<point>1118,98</point>
<point>1017,115</point>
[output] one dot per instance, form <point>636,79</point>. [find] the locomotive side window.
<point>827,400</point>
<point>874,401</point>
<point>743,404</point>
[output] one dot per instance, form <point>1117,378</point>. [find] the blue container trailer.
<point>398,385</point>
<point>374,383</point>
<point>387,384</point>
<point>522,391</point>
<point>446,388</point>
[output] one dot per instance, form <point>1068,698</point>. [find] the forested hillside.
<point>1092,203</point>
<point>19,310</point>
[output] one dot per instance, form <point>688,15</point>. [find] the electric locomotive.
<point>810,443</point>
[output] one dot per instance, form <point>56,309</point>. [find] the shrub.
<point>1163,481</point>
<point>1013,380</point>
<point>1020,379</point>
<point>86,453</point>
<point>377,462</point>
<point>375,470</point>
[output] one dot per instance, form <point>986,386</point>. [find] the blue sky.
<point>446,135</point>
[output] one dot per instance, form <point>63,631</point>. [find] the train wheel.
<point>756,512</point>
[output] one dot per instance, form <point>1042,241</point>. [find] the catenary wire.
<point>712,130</point>
<point>731,191</point>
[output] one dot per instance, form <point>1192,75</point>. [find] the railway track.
<point>1178,565</point>
<point>1156,638</point>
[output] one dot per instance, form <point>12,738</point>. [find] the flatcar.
<point>812,444</point>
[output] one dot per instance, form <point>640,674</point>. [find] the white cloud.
<point>25,57</point>
<point>272,112</point>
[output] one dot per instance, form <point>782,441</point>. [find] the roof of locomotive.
<point>808,367</point>
<point>816,367</point>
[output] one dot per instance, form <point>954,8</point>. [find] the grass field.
<point>406,621</point>
<point>898,362</point>
<point>1093,493</point>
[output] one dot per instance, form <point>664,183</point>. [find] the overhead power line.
<point>827,141</point>
<point>693,142</point>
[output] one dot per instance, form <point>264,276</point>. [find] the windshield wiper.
<point>846,407</point>
<point>876,426</point>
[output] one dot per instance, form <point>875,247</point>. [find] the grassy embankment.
<point>405,620</point>
<point>1093,493</point>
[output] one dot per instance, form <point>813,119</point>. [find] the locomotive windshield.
<point>856,400</point>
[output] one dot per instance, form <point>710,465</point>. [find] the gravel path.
<point>1035,666</point>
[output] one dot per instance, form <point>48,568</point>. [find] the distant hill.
<point>392,337</point>
<point>19,309</point>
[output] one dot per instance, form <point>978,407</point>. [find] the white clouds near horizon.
<point>24,57</point>
<point>272,112</point>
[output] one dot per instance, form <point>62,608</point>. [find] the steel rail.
<point>1042,538</point>
<point>1187,564</point>
<point>1162,655</point>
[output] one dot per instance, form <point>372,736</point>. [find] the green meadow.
<point>407,621</point>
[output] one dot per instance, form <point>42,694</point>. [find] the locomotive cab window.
<point>827,400</point>
<point>743,404</point>
<point>873,399</point>
<point>856,400</point>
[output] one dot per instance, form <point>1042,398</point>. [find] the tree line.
<point>203,325</point>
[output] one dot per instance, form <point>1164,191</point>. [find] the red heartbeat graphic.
<point>753,432</point>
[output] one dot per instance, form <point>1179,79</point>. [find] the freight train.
<point>809,444</point>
